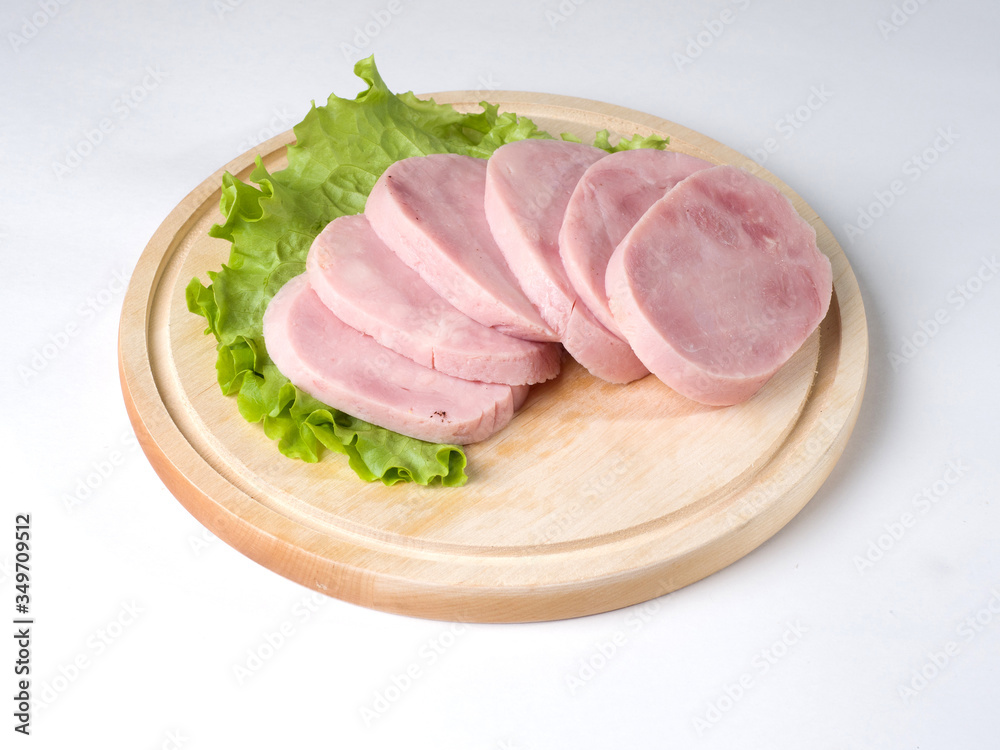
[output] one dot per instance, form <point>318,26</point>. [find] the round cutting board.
<point>595,497</point>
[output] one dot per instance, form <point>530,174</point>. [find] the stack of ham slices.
<point>433,312</point>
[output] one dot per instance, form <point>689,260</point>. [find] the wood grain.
<point>595,497</point>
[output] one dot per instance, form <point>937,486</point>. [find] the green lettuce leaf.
<point>341,149</point>
<point>627,144</point>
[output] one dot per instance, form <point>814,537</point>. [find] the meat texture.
<point>718,284</point>
<point>352,372</point>
<point>608,200</point>
<point>368,287</point>
<point>429,211</point>
<point>528,186</point>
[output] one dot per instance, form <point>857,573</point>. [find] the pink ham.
<point>528,185</point>
<point>608,200</point>
<point>368,287</point>
<point>429,211</point>
<point>718,284</point>
<point>352,372</point>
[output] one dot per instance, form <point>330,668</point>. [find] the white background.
<point>187,86</point>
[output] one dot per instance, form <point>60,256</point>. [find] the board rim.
<point>291,551</point>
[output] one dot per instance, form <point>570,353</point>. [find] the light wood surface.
<point>595,497</point>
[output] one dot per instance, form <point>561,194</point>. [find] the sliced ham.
<point>607,201</point>
<point>352,372</point>
<point>718,284</point>
<point>429,211</point>
<point>368,287</point>
<point>528,186</point>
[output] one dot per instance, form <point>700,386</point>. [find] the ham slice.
<point>608,200</point>
<point>429,211</point>
<point>718,284</point>
<point>528,186</point>
<point>368,287</point>
<point>352,372</point>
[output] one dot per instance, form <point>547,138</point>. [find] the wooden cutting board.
<point>595,497</point>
